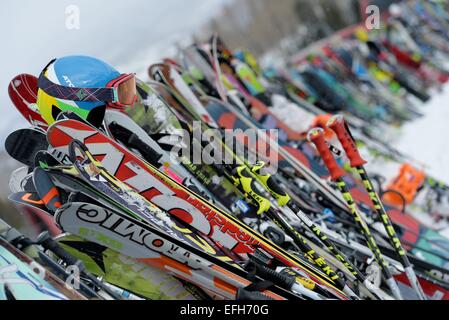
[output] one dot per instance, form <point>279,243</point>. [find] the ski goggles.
<point>118,93</point>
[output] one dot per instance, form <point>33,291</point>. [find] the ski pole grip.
<point>338,125</point>
<point>245,295</point>
<point>74,146</point>
<point>283,280</point>
<point>46,241</point>
<point>316,136</point>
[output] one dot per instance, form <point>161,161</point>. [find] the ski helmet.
<point>84,85</point>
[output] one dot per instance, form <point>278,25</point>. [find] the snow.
<point>427,139</point>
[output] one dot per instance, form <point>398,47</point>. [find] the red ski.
<point>23,93</point>
<point>174,198</point>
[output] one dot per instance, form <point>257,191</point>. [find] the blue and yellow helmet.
<point>77,72</point>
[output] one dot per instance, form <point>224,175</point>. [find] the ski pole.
<point>284,199</point>
<point>284,280</point>
<point>338,125</point>
<point>33,253</point>
<point>47,242</point>
<point>316,136</point>
<point>244,180</point>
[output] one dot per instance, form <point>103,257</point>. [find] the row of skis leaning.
<point>120,215</point>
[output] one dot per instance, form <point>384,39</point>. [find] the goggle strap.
<point>77,94</point>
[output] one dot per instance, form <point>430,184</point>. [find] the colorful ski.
<point>162,191</point>
<point>23,93</point>
<point>149,245</point>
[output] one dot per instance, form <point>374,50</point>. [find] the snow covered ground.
<point>427,139</point>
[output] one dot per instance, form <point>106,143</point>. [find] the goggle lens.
<point>126,91</point>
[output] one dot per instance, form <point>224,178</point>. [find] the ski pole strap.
<point>268,181</point>
<point>253,290</point>
<point>76,145</point>
<point>316,136</point>
<point>338,124</point>
<point>244,181</point>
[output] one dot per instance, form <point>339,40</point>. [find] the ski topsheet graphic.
<point>203,182</point>
<point>146,244</point>
<point>125,272</point>
<point>173,197</point>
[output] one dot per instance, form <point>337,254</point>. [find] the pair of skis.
<point>44,186</point>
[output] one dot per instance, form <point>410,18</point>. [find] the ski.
<point>146,180</point>
<point>149,245</point>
